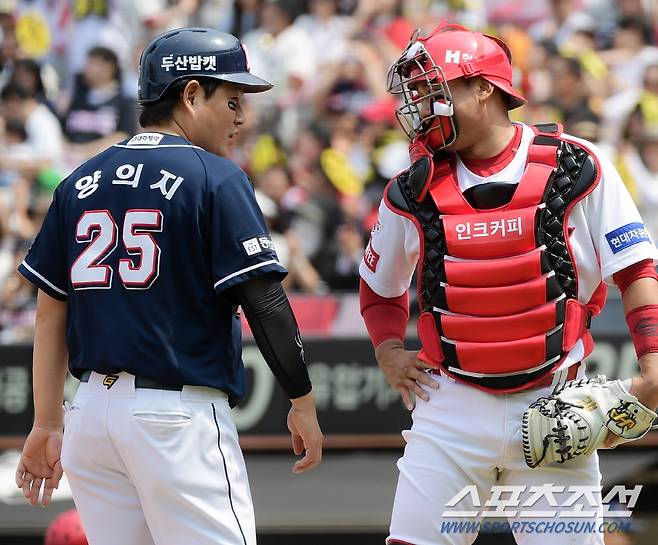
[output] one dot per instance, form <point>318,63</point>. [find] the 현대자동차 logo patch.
<point>627,236</point>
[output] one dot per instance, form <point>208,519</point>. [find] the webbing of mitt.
<point>576,419</point>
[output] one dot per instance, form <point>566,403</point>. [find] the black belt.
<point>140,382</point>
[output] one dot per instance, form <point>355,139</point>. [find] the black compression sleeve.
<point>275,330</point>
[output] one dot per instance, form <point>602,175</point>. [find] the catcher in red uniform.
<point>514,232</point>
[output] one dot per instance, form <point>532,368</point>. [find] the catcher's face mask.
<point>428,108</point>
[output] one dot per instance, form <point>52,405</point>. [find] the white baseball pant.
<point>155,466</point>
<point>463,437</point>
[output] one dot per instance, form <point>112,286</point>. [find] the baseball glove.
<point>576,419</point>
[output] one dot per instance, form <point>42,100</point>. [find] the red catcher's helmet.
<point>448,53</point>
<point>66,529</point>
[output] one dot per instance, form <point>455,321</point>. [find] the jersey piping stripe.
<point>228,482</point>
<point>156,147</point>
<point>43,279</point>
<point>236,273</point>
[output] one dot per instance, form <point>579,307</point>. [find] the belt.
<point>140,382</point>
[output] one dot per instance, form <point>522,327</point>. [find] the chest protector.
<point>497,286</point>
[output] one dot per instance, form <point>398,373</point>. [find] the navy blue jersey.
<point>141,241</point>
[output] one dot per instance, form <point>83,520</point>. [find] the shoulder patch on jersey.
<point>257,245</point>
<point>145,138</point>
<point>626,236</point>
<point>370,257</point>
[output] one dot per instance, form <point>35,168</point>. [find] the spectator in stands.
<point>273,186</point>
<point>387,148</point>
<point>27,72</point>
<point>632,52</point>
<point>338,265</point>
<point>570,99</point>
<point>246,17</point>
<point>626,113</point>
<point>44,135</point>
<point>17,303</point>
<point>325,145</point>
<point>284,54</point>
<point>158,16</point>
<point>645,113</point>
<point>349,86</point>
<point>559,27</point>
<point>99,114</point>
<point>9,50</point>
<point>638,166</point>
<point>15,188</point>
<point>329,30</point>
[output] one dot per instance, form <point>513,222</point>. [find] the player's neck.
<point>492,140</point>
<point>168,128</point>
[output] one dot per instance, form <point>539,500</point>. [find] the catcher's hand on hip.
<point>40,464</point>
<point>582,416</point>
<point>404,371</point>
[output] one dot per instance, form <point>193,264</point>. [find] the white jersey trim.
<point>247,269</point>
<point>43,279</point>
<point>125,146</point>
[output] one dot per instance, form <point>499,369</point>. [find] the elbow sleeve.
<point>273,324</point>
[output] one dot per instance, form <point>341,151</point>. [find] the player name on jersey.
<point>129,174</point>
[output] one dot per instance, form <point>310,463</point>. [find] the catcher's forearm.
<point>639,294</point>
<point>385,318</point>
<point>49,361</point>
<point>645,386</point>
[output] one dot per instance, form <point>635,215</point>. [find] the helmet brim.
<point>248,82</point>
<point>514,98</point>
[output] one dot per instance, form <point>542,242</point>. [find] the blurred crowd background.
<point>322,144</point>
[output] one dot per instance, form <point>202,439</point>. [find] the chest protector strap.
<point>498,287</point>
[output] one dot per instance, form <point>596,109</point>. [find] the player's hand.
<point>40,464</point>
<point>404,371</point>
<point>305,432</point>
<point>645,388</point>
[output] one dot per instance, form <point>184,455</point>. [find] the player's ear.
<point>191,95</point>
<point>484,89</point>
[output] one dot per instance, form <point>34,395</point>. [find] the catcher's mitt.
<point>576,419</point>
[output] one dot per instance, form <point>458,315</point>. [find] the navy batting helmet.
<point>194,52</point>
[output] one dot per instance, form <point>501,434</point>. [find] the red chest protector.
<point>498,287</point>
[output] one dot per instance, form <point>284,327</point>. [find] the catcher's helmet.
<point>448,53</point>
<point>194,52</point>
<point>66,529</point>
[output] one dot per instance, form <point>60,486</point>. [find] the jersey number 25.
<point>98,228</point>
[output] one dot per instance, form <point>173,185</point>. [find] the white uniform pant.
<point>156,466</point>
<point>466,437</point>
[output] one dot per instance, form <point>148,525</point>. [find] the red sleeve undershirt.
<point>385,318</point>
<point>641,269</point>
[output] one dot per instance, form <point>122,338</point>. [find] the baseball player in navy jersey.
<point>145,255</point>
<point>514,232</point>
